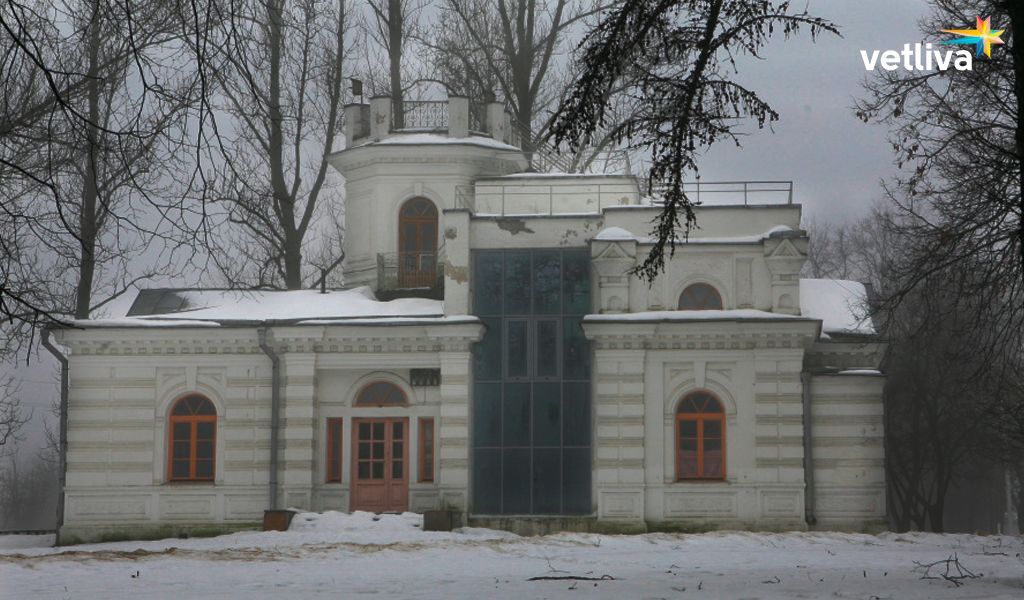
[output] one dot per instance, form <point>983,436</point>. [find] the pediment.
<point>614,251</point>
<point>785,249</point>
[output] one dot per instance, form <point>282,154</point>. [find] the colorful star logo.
<point>981,36</point>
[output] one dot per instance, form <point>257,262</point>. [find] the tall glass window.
<point>531,397</point>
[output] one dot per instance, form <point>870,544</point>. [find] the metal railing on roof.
<point>422,114</point>
<point>543,156</point>
<point>744,193</point>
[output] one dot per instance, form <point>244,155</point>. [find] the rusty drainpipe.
<point>275,411</point>
<point>62,442</point>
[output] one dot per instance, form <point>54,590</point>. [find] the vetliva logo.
<point>923,57</point>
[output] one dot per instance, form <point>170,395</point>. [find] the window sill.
<point>190,483</point>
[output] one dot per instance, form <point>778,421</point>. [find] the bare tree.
<point>11,416</point>
<point>949,405</point>
<point>673,57</point>
<point>89,88</point>
<point>391,25</point>
<point>282,86</point>
<point>510,48</point>
<point>958,137</point>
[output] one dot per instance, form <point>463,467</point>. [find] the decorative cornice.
<point>242,341</point>
<point>733,335</point>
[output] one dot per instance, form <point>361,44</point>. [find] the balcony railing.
<point>422,114</point>
<point>747,193</point>
<point>409,270</point>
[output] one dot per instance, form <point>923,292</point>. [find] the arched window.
<point>700,296</point>
<point>700,438</point>
<point>381,393</point>
<point>417,243</point>
<point>193,436</point>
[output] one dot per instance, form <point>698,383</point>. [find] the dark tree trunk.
<point>395,22</point>
<point>283,200</point>
<point>87,226</point>
<point>1016,11</point>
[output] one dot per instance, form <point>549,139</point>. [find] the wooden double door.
<point>380,464</point>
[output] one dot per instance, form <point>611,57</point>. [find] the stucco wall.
<point>117,442</point>
<point>848,451</point>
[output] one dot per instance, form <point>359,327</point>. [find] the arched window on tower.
<point>700,438</point>
<point>700,296</point>
<point>192,439</point>
<point>417,243</point>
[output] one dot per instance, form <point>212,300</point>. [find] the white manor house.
<point>491,356</point>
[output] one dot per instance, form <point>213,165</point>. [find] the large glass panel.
<point>576,414</point>
<point>487,414</point>
<point>547,271</point>
<point>517,349</point>
<point>547,480</point>
<point>182,449</point>
<point>547,348</point>
<point>179,469</point>
<point>688,457</point>
<point>487,482</point>
<point>487,290</point>
<point>576,281</point>
<point>381,393</point>
<point>515,481</point>
<point>487,353</point>
<point>576,481</point>
<point>182,431</point>
<point>547,414</point>
<point>532,440</point>
<point>204,450</point>
<point>712,457</point>
<point>204,469</point>
<point>575,350</point>
<point>515,415</point>
<point>204,430</point>
<point>517,283</point>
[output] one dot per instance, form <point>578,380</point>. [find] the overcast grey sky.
<point>834,159</point>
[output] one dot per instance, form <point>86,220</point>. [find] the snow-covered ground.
<point>345,556</point>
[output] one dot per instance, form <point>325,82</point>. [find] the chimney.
<point>380,117</point>
<point>356,126</point>
<point>458,116</point>
<point>497,121</point>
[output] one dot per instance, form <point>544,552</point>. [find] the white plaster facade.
<point>801,395</point>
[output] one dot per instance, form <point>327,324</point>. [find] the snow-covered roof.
<point>756,238</point>
<point>614,234</point>
<point>841,305</point>
<point>205,308</point>
<point>414,139</point>
<point>739,314</point>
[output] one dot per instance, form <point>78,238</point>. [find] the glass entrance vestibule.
<point>531,433</point>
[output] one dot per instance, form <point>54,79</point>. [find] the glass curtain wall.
<point>531,396</point>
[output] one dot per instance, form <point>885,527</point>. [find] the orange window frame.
<point>362,400</point>
<point>694,291</point>
<point>335,439</point>
<point>700,418</point>
<point>193,438</point>
<point>426,450</point>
